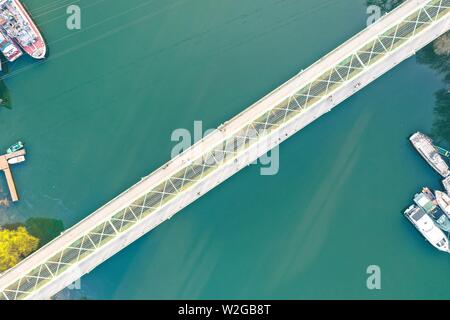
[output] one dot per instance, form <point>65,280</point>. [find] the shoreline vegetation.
<point>19,240</point>
<point>15,245</point>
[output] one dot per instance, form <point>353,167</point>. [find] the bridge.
<point>235,144</point>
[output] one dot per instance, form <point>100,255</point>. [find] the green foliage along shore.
<point>14,246</point>
<point>19,240</point>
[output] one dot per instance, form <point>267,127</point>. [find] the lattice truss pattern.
<point>228,150</point>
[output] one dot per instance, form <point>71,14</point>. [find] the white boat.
<point>425,225</point>
<point>427,202</point>
<point>443,201</point>
<point>424,145</point>
<point>16,160</point>
<point>446,183</point>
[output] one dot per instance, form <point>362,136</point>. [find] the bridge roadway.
<point>235,144</point>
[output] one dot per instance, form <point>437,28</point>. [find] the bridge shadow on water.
<point>437,56</point>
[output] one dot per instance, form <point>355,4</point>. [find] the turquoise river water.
<point>98,115</point>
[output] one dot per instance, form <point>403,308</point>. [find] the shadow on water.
<point>436,55</point>
<point>42,228</point>
<point>46,230</point>
<point>5,98</point>
<point>441,125</point>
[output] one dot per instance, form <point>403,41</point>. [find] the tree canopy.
<point>14,246</point>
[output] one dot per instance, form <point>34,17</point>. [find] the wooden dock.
<point>5,167</point>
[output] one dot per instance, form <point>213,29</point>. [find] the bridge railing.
<point>367,55</point>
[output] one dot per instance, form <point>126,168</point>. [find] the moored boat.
<point>16,160</point>
<point>9,49</point>
<point>15,147</point>
<point>425,225</point>
<point>443,201</point>
<point>18,25</point>
<point>427,202</point>
<point>424,145</point>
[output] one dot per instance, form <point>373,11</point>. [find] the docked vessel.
<point>424,145</point>
<point>424,224</point>
<point>427,202</point>
<point>15,147</point>
<point>443,200</point>
<point>446,184</point>
<point>9,49</point>
<point>443,152</point>
<point>16,160</point>
<point>18,25</point>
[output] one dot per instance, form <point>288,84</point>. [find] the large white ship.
<point>424,145</point>
<point>425,225</point>
<point>18,25</point>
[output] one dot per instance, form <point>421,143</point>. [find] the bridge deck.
<point>238,142</point>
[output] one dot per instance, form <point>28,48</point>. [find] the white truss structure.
<point>67,258</point>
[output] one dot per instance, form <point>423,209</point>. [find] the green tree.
<point>14,246</point>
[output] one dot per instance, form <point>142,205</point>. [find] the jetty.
<point>5,166</point>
